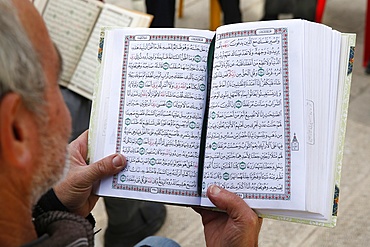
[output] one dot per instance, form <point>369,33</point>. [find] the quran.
<point>74,26</point>
<point>258,108</point>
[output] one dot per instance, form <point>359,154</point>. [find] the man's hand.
<point>75,190</point>
<point>238,226</point>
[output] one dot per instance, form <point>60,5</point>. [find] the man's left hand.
<point>75,190</point>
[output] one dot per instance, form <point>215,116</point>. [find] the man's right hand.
<point>238,226</point>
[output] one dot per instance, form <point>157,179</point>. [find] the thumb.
<point>229,202</point>
<point>107,166</point>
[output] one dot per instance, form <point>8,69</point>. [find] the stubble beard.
<point>53,161</point>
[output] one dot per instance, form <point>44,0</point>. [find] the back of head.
<point>20,68</point>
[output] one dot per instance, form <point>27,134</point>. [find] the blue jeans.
<point>156,241</point>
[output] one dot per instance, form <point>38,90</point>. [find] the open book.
<point>258,108</point>
<point>74,25</point>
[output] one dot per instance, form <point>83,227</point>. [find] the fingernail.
<point>117,161</point>
<point>215,189</point>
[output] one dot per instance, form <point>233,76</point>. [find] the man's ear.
<point>18,131</point>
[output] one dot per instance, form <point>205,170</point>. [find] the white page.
<point>336,100</point>
<point>70,23</point>
<point>322,104</point>
<point>100,103</point>
<point>162,104</point>
<point>250,129</point>
<point>85,74</point>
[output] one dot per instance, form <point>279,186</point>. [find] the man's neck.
<point>16,227</point>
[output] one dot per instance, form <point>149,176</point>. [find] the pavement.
<point>184,225</point>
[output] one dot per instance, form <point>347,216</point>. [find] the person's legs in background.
<point>80,108</point>
<point>305,9</point>
<point>130,221</point>
<point>273,8</point>
<point>155,241</point>
<point>231,11</point>
<point>163,12</point>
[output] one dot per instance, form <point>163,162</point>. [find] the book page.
<point>155,112</point>
<point>255,137</point>
<point>70,23</point>
<point>85,74</point>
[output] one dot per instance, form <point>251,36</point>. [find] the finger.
<point>234,206</point>
<point>80,144</point>
<point>107,166</point>
<point>197,209</point>
<point>208,214</point>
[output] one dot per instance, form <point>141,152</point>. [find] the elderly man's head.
<point>34,120</point>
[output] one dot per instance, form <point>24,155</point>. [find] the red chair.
<point>320,6</point>
<point>367,36</point>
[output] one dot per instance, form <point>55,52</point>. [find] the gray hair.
<point>20,67</point>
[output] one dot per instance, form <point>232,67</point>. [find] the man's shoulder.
<point>58,228</point>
